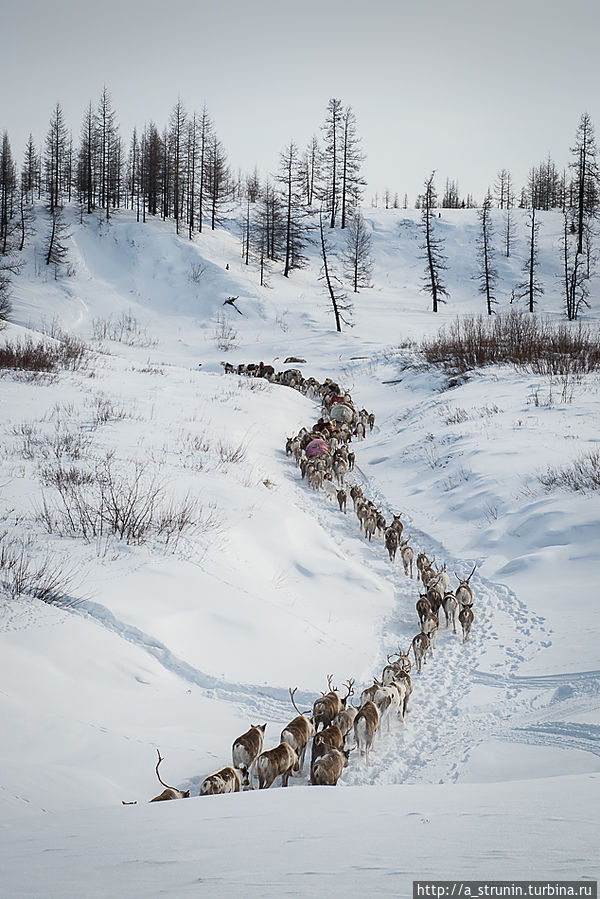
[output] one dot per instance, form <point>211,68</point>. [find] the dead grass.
<point>516,338</point>
<point>581,475</point>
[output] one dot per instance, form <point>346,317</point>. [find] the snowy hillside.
<point>246,582</point>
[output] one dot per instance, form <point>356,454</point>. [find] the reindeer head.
<point>349,684</point>
<point>465,582</point>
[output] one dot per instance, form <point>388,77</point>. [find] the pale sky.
<point>464,87</point>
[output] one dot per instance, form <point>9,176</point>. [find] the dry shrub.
<point>128,505</point>
<point>583,474</point>
<point>44,356</point>
<point>517,338</point>
<point>21,575</point>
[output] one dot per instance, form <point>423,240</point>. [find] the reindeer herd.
<point>335,726</point>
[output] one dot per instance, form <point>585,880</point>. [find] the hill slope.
<point>182,645</point>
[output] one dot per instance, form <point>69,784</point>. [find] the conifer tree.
<point>586,178</point>
<point>357,253</point>
<point>432,246</point>
<point>531,288</point>
<point>488,274</point>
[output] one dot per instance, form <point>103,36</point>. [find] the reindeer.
<point>298,732</point>
<point>329,487</point>
<point>404,663</point>
<point>274,762</point>
<point>227,780</point>
<point>329,705</point>
<point>339,469</point>
<point>371,420</point>
<point>464,594</point>
<point>407,554</point>
<point>435,599</point>
<point>327,769</point>
<point>389,698</point>
<point>345,720</point>
<point>356,495</point>
<point>422,562</point>
<point>430,627</point>
<point>443,579</point>
<point>365,728</point>
<point>397,525</point>
<point>246,748</point>
<point>450,605</point>
<point>369,692</point>
<point>351,461</point>
<point>363,510</point>
<point>329,738</point>
<point>391,542</point>
<point>428,575</point>
<point>420,645</point>
<point>403,679</point>
<point>381,524</point>
<point>168,792</point>
<point>342,500</point>
<point>465,616</point>
<point>370,523</point>
<point>423,608</point>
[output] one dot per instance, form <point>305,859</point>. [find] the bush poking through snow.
<point>225,335</point>
<point>20,575</point>
<point>44,356</point>
<point>125,505</point>
<point>126,329</point>
<point>581,475</point>
<point>516,338</point>
<point>228,452</point>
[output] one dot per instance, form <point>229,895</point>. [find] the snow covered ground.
<point>182,647</point>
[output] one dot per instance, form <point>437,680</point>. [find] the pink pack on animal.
<point>316,447</point>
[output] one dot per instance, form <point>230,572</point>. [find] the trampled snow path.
<point>438,735</point>
<point>257,701</point>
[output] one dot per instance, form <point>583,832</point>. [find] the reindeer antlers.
<point>292,694</point>
<point>160,759</point>
<point>466,581</point>
<point>349,684</point>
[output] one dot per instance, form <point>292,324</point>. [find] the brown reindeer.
<point>271,764</point>
<point>298,732</point>
<point>246,748</point>
<point>464,594</point>
<point>330,704</point>
<point>465,616</point>
<point>327,769</point>
<point>450,605</point>
<point>423,608</point>
<point>420,645</point>
<point>430,626</point>
<point>407,554</point>
<point>397,525</point>
<point>422,562</point>
<point>365,728</point>
<point>391,542</point>
<point>168,792</point>
<point>342,500</point>
<point>330,738</point>
<point>227,780</point>
<point>345,720</point>
<point>434,599</point>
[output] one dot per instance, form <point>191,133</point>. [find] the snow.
<point>495,773</point>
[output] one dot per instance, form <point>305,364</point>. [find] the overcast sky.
<point>464,87</point>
